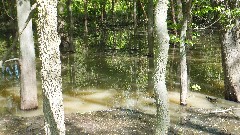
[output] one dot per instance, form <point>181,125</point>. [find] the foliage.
<point>195,87</point>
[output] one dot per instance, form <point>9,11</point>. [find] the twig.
<point>223,111</point>
<point>206,27</point>
<point>6,11</point>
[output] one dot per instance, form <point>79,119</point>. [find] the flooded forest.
<point>119,67</point>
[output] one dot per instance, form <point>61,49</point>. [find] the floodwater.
<point>97,81</point>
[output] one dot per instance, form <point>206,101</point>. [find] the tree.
<point>160,69</point>
<point>150,27</point>
<point>186,9</point>
<point>51,67</point>
<point>28,67</point>
<point>70,25</point>
<point>86,16</point>
<point>231,55</point>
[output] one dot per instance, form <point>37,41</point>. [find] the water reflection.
<point>97,81</point>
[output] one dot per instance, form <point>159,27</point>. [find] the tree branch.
<point>223,111</point>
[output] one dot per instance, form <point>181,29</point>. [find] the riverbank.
<point>125,121</point>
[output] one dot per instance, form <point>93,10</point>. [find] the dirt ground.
<point>127,122</point>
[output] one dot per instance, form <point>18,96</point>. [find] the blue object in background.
<point>8,70</point>
<point>16,70</point>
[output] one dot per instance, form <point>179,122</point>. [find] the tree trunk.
<point>173,13</point>
<point>113,8</point>
<point>179,10</point>
<point>28,67</point>
<point>135,15</point>
<point>103,13</point>
<point>183,57</point>
<point>231,63</point>
<point>160,68</point>
<point>86,16</point>
<point>150,28</point>
<point>51,67</point>
<point>70,27</point>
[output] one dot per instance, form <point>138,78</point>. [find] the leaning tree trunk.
<point>51,67</point>
<point>27,57</point>
<point>160,68</point>
<point>231,63</point>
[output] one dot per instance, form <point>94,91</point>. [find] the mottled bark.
<point>231,62</point>
<point>160,68</point>
<point>28,68</point>
<point>51,67</point>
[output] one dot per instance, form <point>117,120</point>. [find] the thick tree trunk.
<point>28,68</point>
<point>51,67</point>
<point>231,63</point>
<point>160,68</point>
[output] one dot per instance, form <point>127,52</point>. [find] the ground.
<point>127,122</point>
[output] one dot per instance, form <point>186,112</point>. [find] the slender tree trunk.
<point>160,68</point>
<point>28,67</point>
<point>135,14</point>
<point>72,70</point>
<point>231,62</point>
<point>150,73</point>
<point>183,57</point>
<point>70,27</point>
<point>86,16</point>
<point>103,16</point>
<point>173,13</point>
<point>179,10</point>
<point>113,8</point>
<point>150,28</point>
<point>51,67</point>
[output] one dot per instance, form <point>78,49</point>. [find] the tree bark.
<point>183,57</point>
<point>231,62</point>
<point>150,28</point>
<point>173,13</point>
<point>86,16</point>
<point>51,67</point>
<point>70,26</point>
<point>28,85</point>
<point>135,15</point>
<point>113,8</point>
<point>103,12</point>
<point>160,68</point>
